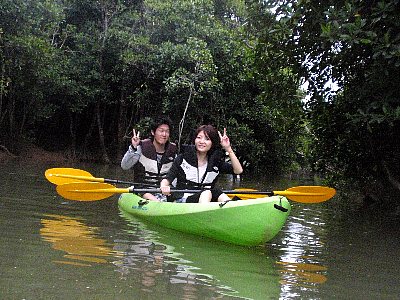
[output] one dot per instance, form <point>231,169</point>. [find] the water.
<point>52,248</point>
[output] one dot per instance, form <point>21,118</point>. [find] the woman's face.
<point>202,142</point>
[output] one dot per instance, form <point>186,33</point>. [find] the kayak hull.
<point>244,222</point>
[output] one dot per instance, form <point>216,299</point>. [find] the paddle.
<point>97,191</point>
<point>68,175</point>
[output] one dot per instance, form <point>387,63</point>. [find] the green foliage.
<point>356,44</point>
<point>281,114</point>
<point>87,72</point>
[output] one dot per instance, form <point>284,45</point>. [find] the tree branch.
<point>7,151</point>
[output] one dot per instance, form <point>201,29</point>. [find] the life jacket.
<point>188,172</point>
<point>148,168</point>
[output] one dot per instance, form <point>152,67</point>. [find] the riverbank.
<point>32,153</point>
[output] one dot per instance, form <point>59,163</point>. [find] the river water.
<point>52,248</point>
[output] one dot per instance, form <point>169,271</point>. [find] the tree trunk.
<point>2,90</point>
<point>103,149</point>
<point>72,131</point>
<point>391,177</point>
<point>11,119</point>
<point>122,125</point>
<point>88,135</point>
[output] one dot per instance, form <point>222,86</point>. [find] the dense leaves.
<point>356,46</point>
<point>80,74</point>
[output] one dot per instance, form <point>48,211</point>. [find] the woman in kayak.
<point>199,166</point>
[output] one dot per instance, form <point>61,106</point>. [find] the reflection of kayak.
<point>236,271</point>
<point>246,223</point>
<point>77,240</point>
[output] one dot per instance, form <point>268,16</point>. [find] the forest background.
<point>299,85</point>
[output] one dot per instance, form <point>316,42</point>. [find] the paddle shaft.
<point>157,190</point>
<point>97,191</point>
<point>237,192</point>
<point>96,179</point>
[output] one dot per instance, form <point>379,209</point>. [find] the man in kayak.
<point>151,158</point>
<point>200,165</point>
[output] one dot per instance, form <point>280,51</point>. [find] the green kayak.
<point>244,222</point>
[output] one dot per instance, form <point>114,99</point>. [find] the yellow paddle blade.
<point>90,191</point>
<point>309,194</point>
<point>303,194</point>
<point>67,175</point>
<point>245,196</point>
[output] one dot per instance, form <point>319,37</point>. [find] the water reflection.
<point>191,263</point>
<point>154,263</point>
<point>301,248</point>
<point>355,250</point>
<point>301,274</point>
<point>80,242</point>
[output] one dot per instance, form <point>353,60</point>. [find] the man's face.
<point>161,135</point>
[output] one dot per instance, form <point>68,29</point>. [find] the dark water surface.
<point>52,248</point>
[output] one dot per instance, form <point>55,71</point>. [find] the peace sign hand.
<point>135,139</point>
<point>225,143</point>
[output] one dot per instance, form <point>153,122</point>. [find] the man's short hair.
<point>161,120</point>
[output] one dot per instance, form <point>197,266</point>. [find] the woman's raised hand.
<point>225,143</point>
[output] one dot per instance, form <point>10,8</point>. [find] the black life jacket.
<point>148,168</point>
<point>188,173</point>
